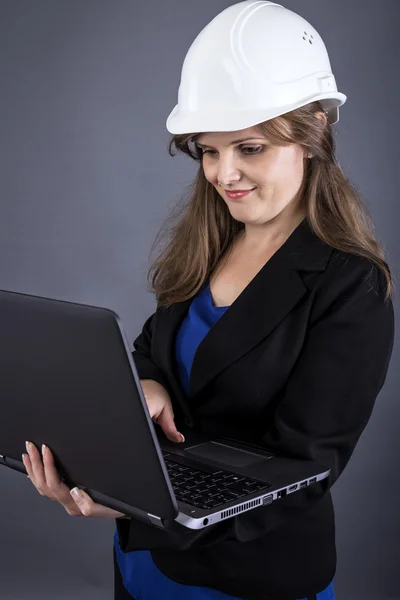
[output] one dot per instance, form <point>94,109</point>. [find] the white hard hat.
<point>254,61</point>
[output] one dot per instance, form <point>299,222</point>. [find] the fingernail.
<point>28,445</point>
<point>76,493</point>
<point>182,438</point>
<point>43,449</point>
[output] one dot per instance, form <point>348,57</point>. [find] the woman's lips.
<point>238,194</point>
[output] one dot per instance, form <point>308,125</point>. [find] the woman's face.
<point>276,173</point>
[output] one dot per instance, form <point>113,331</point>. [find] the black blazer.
<point>295,364</point>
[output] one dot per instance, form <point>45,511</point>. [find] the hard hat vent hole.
<point>305,37</point>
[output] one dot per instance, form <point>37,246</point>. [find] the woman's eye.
<point>254,150</point>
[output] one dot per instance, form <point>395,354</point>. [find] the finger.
<point>166,420</point>
<point>37,469</point>
<point>52,477</point>
<point>28,466</point>
<point>89,508</point>
<point>57,488</point>
<point>83,501</point>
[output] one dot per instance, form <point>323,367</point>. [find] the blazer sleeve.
<point>142,355</point>
<point>326,404</point>
<point>331,392</point>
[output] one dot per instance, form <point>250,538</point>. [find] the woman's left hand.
<point>45,478</point>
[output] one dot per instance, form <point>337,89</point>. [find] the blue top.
<point>140,575</point>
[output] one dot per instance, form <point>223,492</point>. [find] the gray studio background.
<point>85,182</point>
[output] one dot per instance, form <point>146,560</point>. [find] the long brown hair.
<point>201,229</point>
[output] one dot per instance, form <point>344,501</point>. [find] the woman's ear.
<point>321,115</point>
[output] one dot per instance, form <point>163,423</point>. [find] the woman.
<point>297,361</point>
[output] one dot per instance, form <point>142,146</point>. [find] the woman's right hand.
<point>43,474</point>
<point>160,408</point>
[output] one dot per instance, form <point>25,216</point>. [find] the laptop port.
<point>281,494</point>
<point>303,484</point>
<point>313,480</point>
<point>268,499</point>
<point>293,487</point>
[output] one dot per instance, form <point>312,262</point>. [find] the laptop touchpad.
<point>224,454</point>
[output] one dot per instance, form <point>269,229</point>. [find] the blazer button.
<point>188,421</point>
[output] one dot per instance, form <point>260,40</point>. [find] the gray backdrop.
<point>86,180</point>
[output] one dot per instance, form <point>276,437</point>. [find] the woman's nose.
<point>227,174</point>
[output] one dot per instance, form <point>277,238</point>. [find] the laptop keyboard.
<point>209,489</point>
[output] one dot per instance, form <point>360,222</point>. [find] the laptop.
<point>68,379</point>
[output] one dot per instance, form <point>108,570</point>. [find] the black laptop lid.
<point>67,379</point>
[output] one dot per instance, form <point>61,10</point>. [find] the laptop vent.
<point>238,509</point>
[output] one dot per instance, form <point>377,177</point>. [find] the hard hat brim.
<point>223,119</point>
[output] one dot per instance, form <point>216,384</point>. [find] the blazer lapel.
<point>265,301</point>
